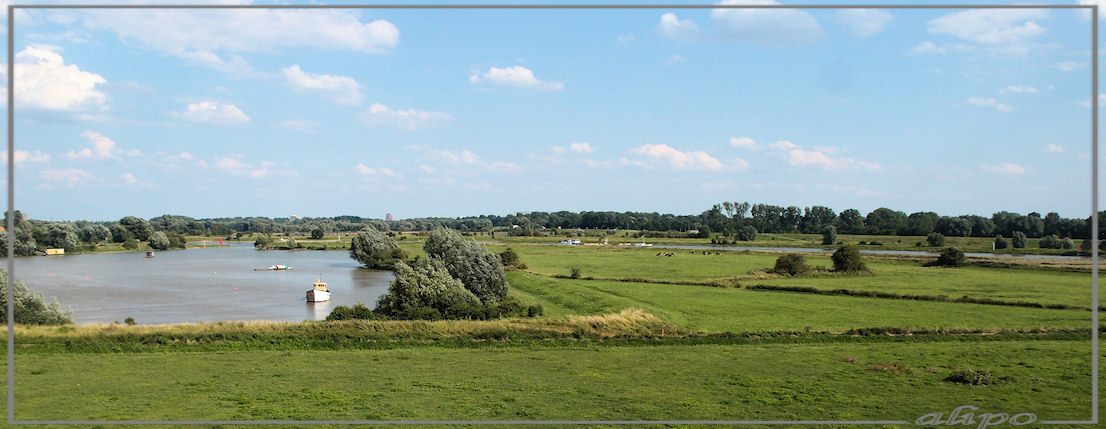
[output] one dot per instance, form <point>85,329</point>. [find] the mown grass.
<point>737,310</point>
<point>703,382</point>
<point>1027,282</point>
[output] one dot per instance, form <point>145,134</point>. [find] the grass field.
<point>698,344</point>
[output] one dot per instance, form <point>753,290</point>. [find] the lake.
<point>205,284</point>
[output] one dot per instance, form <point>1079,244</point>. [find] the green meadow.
<point>637,337</point>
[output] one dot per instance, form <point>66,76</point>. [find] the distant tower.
<point>388,217</point>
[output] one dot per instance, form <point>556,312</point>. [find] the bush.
<point>1000,243</point>
<point>30,307</point>
<point>791,264</point>
<point>423,286</point>
<point>375,250</point>
<point>478,268</point>
<point>1050,242</point>
<point>1067,244</point>
<point>130,244</point>
<point>847,260</point>
<point>510,259</point>
<point>159,241</point>
<point>829,235</point>
<point>747,233</point>
<point>971,377</point>
<point>951,257</point>
<point>935,239</point>
<point>1086,245</point>
<point>574,273</point>
<point>357,312</point>
<point>129,321</point>
<point>316,234</point>
<point>1019,240</point>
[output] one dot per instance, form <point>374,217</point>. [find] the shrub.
<point>375,250</point>
<point>510,259</point>
<point>478,268</point>
<point>1019,240</point>
<point>1000,243</point>
<point>1086,245</point>
<point>574,273</point>
<point>847,259</point>
<point>829,235</point>
<point>1050,242</point>
<point>130,244</point>
<point>159,241</point>
<point>316,234</point>
<point>935,239</point>
<point>30,307</point>
<point>423,286</point>
<point>951,257</point>
<point>1067,244</point>
<point>971,377</point>
<point>129,321</point>
<point>747,233</point>
<point>791,264</point>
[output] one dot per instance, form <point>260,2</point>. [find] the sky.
<point>463,112</point>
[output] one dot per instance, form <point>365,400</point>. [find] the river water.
<point>194,285</point>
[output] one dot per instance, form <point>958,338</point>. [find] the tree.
<point>829,235</point>
<point>951,257</point>
<point>119,233</point>
<point>1050,242</point>
<point>850,222</point>
<point>137,226</point>
<point>1086,245</point>
<point>477,267</point>
<point>1067,244</point>
<point>159,241</point>
<point>791,264</point>
<point>94,233</point>
<point>317,234</point>
<point>953,226</point>
<point>920,223</point>
<point>935,239</point>
<point>62,236</point>
<point>425,290</point>
<point>31,308</point>
<point>884,221</point>
<point>847,259</point>
<point>1018,239</point>
<point>375,250</point>
<point>1000,243</point>
<point>510,259</point>
<point>747,233</point>
<point>262,242</point>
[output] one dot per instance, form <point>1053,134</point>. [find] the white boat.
<point>318,293</point>
<point>149,253</point>
<point>274,268</point>
<point>643,243</point>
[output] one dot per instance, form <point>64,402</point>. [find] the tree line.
<point>728,219</point>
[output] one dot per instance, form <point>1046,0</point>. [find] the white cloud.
<point>819,156</point>
<point>1018,89</point>
<point>231,164</point>
<point>581,148</point>
<point>22,156</point>
<point>772,27</point>
<point>626,38</point>
<point>210,111</point>
<point>928,47</point>
<point>410,119</point>
<point>428,169</point>
<point>1006,168</point>
<point>43,81</point>
<point>67,176</point>
<point>675,59</point>
<point>743,142</point>
<point>129,178</point>
<point>101,147</point>
<point>1054,148</point>
<point>367,171</point>
<point>199,35</point>
<point>693,160</point>
<point>1087,104</point>
<point>864,22</point>
<point>1068,66</point>
<point>237,167</point>
<point>990,102</point>
<point>672,27</point>
<point>341,89</point>
<point>517,76</point>
<point>991,26</point>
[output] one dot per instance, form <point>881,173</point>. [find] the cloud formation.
<point>100,147</point>
<point>410,119</point>
<point>1005,168</point>
<point>44,81</point>
<point>743,143</point>
<point>22,156</point>
<point>517,76</point>
<point>691,160</point>
<point>819,156</point>
<point>212,112</point>
<point>340,89</point>
<point>991,26</point>
<point>773,27</point>
<point>67,176</point>
<point>990,102</point>
<point>864,22</point>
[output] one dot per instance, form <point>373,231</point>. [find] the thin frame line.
<point>11,203</point>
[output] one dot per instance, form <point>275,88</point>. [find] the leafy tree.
<point>791,264</point>
<point>1018,240</point>
<point>30,307</point>
<point>94,233</point>
<point>375,250</point>
<point>1000,243</point>
<point>425,290</point>
<point>317,234</point>
<point>262,242</point>
<point>953,226</point>
<point>292,243</point>
<point>61,235</point>
<point>119,233</point>
<point>1067,244</point>
<point>137,227</point>
<point>884,221</point>
<point>747,233</point>
<point>1086,245</point>
<point>477,267</point>
<point>704,232</point>
<point>847,259</point>
<point>850,222</point>
<point>510,259</point>
<point>935,239</point>
<point>981,226</point>
<point>829,235</point>
<point>1050,242</point>
<point>816,219</point>
<point>159,241</point>
<point>951,257</point>
<point>920,223</point>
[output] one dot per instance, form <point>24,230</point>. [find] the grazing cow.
<point>658,254</point>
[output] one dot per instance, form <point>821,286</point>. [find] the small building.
<point>53,252</point>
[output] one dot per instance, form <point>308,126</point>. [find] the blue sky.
<point>211,113</point>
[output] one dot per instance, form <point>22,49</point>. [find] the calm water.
<point>216,283</point>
